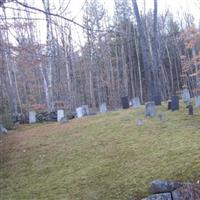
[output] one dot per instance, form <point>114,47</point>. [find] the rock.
<point>70,115</point>
<point>150,109</point>
<point>63,120</point>
<point>86,110</point>
<point>3,130</point>
<point>159,186</point>
<point>163,196</point>
<point>187,192</point>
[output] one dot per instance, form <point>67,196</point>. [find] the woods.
<point>133,53</point>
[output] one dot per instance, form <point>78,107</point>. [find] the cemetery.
<point>99,100</point>
<point>105,151</point>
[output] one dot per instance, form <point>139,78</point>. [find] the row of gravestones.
<point>80,112</point>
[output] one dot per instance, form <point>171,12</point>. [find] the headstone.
<point>136,102</point>
<point>139,122</point>
<point>150,109</point>
<point>169,106</point>
<point>157,99</point>
<point>103,108</point>
<point>32,117</point>
<point>175,103</point>
<point>186,96</point>
<point>60,115</point>
<point>125,102</point>
<point>197,101</point>
<point>80,112</point>
<point>3,130</point>
<point>190,110</point>
<point>86,110</point>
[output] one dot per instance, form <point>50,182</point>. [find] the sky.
<point>75,6</point>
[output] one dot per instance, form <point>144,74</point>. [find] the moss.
<point>101,157</point>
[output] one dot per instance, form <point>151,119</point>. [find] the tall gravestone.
<point>150,109</point>
<point>60,115</point>
<point>197,101</point>
<point>79,112</point>
<point>125,102</point>
<point>169,105</point>
<point>175,103</point>
<point>32,117</point>
<point>186,96</point>
<point>157,99</point>
<point>136,102</point>
<point>103,108</point>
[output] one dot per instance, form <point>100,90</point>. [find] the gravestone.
<point>197,101</point>
<point>157,99</point>
<point>60,115</point>
<point>3,130</point>
<point>103,108</point>
<point>86,110</point>
<point>136,102</point>
<point>186,96</point>
<point>175,103</point>
<point>125,102</point>
<point>32,117</point>
<point>79,112</point>
<point>190,110</point>
<point>169,106</point>
<point>150,109</point>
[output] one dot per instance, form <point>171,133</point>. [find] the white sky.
<point>175,6</point>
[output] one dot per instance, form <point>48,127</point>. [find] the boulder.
<point>163,196</point>
<point>160,186</point>
<point>187,192</point>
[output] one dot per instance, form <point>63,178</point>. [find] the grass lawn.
<point>103,157</point>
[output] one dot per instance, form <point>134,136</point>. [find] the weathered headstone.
<point>3,130</point>
<point>157,99</point>
<point>125,102</point>
<point>150,109</point>
<point>175,103</point>
<point>139,122</point>
<point>186,96</point>
<point>32,117</point>
<point>197,101</point>
<point>169,105</point>
<point>79,112</point>
<point>60,115</point>
<point>190,110</point>
<point>86,110</point>
<point>136,102</point>
<point>103,108</point>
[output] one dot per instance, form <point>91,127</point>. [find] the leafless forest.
<point>133,53</point>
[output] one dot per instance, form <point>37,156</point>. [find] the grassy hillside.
<point>104,157</point>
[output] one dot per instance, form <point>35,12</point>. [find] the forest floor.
<point>103,157</point>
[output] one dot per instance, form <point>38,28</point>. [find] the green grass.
<point>104,157</point>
